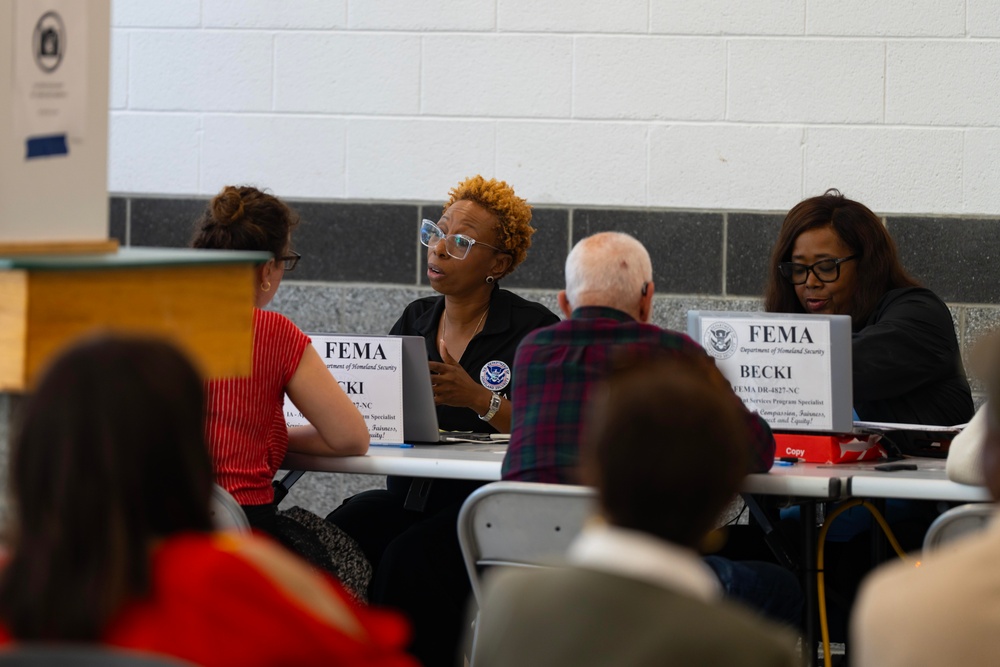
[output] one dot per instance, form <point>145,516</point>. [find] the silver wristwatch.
<point>494,408</point>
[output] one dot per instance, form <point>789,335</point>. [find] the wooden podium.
<point>202,300</point>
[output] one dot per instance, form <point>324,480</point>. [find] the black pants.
<point>846,563</point>
<point>265,519</point>
<point>316,541</point>
<point>417,560</point>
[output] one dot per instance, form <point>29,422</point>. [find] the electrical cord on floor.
<point>820,581</point>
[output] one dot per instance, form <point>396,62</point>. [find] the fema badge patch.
<point>720,340</point>
<point>495,375</point>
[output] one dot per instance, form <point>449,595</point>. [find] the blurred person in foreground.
<point>965,463</point>
<point>112,540</point>
<point>941,608</point>
<point>246,418</point>
<point>608,302</point>
<point>634,591</point>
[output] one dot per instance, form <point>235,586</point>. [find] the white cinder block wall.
<point>715,104</point>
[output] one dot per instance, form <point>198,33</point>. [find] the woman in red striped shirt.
<point>245,421</point>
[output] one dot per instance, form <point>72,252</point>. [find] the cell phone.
<point>893,467</point>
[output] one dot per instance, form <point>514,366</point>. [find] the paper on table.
<point>458,436</point>
<point>881,427</point>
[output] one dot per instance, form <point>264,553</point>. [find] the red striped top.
<point>246,422</point>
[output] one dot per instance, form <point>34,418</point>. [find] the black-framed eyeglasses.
<point>825,270</point>
<point>290,260</point>
<point>457,245</point>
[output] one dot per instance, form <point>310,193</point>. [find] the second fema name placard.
<point>794,370</point>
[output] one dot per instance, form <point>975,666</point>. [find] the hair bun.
<point>227,207</point>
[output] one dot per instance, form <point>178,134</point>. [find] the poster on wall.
<point>50,76</point>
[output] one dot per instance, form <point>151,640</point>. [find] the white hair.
<point>607,269</point>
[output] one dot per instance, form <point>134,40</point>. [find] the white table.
<point>801,480</point>
<point>482,462</point>
<point>453,461</point>
<point>928,482</point>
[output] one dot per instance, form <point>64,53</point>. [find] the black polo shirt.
<point>908,365</point>
<point>489,357</point>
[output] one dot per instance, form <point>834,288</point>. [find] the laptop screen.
<point>420,422</point>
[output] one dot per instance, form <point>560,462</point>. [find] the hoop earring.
<point>490,280</point>
<point>265,286</point>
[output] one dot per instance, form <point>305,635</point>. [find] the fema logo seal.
<point>49,42</point>
<point>495,375</point>
<point>720,340</point>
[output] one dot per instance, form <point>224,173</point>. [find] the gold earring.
<point>265,286</point>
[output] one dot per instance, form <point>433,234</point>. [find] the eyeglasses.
<point>291,261</point>
<point>457,245</point>
<point>826,270</point>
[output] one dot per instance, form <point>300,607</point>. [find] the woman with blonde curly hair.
<point>472,330</point>
<point>484,233</point>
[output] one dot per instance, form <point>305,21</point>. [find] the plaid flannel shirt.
<point>557,366</point>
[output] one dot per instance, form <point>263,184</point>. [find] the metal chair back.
<point>226,512</point>
<point>520,524</point>
<point>82,655</point>
<point>956,523</point>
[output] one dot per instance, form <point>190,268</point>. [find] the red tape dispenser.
<point>828,448</point>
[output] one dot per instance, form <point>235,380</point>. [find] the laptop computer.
<point>420,423</point>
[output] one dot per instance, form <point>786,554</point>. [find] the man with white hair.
<point>608,302</point>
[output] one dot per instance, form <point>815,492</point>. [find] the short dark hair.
<point>110,456</point>
<point>244,218</point>
<point>878,267</point>
<point>666,447</point>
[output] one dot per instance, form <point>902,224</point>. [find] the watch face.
<point>495,375</point>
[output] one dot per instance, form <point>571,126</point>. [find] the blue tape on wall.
<point>54,144</point>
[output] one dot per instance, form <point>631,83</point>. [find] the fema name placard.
<point>786,368</point>
<point>370,371</point>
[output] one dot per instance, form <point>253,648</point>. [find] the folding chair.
<point>226,512</point>
<point>82,655</point>
<point>520,524</point>
<point>957,523</point>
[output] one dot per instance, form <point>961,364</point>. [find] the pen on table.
<point>398,445</point>
<point>787,461</point>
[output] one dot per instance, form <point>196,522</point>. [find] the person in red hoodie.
<point>112,539</point>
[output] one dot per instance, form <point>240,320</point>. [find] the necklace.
<point>444,323</point>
